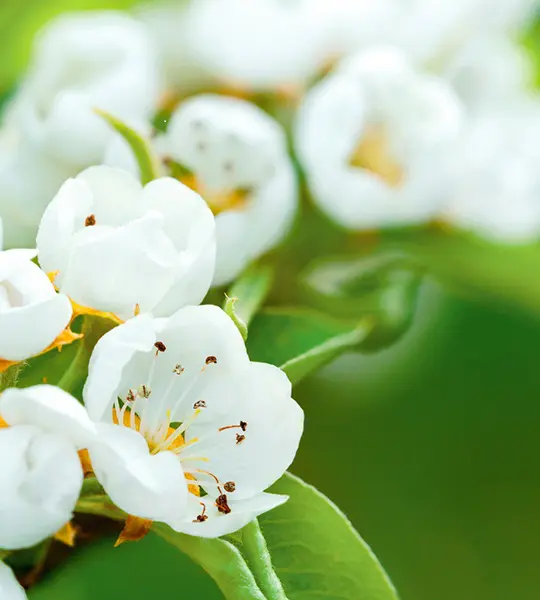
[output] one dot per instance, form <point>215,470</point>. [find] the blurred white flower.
<point>496,188</point>
<point>373,138</point>
<point>33,316</point>
<point>10,588</point>
<point>83,61</point>
<point>489,71</point>
<point>259,44</point>
<point>195,414</point>
<point>117,247</point>
<point>41,430</point>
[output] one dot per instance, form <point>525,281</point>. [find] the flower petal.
<point>143,485</point>
<point>10,588</point>
<point>49,408</point>
<point>218,524</point>
<point>40,482</point>
<point>111,356</point>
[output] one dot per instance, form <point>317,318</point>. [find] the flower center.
<point>373,154</point>
<point>218,201</point>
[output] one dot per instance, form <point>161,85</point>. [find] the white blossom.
<point>83,61</point>
<point>41,430</point>
<point>259,44</point>
<point>117,247</point>
<point>373,138</point>
<point>179,408</point>
<point>10,588</point>
<point>496,188</point>
<point>32,314</point>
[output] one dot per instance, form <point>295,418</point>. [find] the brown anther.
<point>211,360</point>
<point>222,505</point>
<point>144,391</point>
<point>130,397</point>
<point>243,425</point>
<point>202,517</point>
<point>90,221</point>
<point>199,404</point>
<point>160,346</point>
<point>240,438</point>
<point>230,486</point>
<point>178,369</point>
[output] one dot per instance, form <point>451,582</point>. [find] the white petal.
<point>10,588</point>
<point>259,395</point>
<point>218,524</point>
<point>40,482</point>
<point>190,225</point>
<point>111,355</point>
<point>49,408</point>
<point>28,330</point>
<point>144,485</point>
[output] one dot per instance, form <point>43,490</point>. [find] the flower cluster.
<point>240,106</point>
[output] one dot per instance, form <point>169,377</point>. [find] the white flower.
<point>32,315</point>
<point>196,414</point>
<point>83,61</point>
<point>489,71</point>
<point>118,247</point>
<point>41,430</point>
<point>373,138</point>
<point>235,156</point>
<point>259,44</point>
<point>10,588</point>
<point>496,188</point>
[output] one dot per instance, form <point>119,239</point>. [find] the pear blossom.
<point>32,315</point>
<point>10,588</point>
<point>496,188</point>
<point>374,137</point>
<point>180,409</point>
<point>259,44</point>
<point>235,156</point>
<point>114,246</point>
<point>41,430</point>
<point>110,64</point>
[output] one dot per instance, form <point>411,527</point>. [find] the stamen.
<point>222,504</point>
<point>242,425</point>
<point>203,516</point>
<point>239,438</point>
<point>199,404</point>
<point>178,369</point>
<point>230,486</point>
<point>177,432</point>
<point>211,360</point>
<point>90,221</point>
<point>144,391</point>
<point>160,346</point>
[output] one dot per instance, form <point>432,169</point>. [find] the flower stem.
<point>258,556</point>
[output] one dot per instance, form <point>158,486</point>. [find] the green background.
<point>431,447</point>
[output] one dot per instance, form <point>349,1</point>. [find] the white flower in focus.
<point>235,156</point>
<point>33,316</point>
<point>41,430</point>
<point>117,247</point>
<point>259,44</point>
<point>373,138</point>
<point>10,588</point>
<point>83,61</point>
<point>195,415</point>
<point>496,190</point>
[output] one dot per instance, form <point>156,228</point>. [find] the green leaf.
<point>147,160</point>
<point>316,552</point>
<point>149,569</point>
<point>250,291</point>
<point>302,341</point>
<point>488,272</point>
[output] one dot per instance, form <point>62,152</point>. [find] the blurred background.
<point>430,447</point>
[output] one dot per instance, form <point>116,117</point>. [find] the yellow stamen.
<point>134,530</point>
<point>67,534</point>
<point>86,463</point>
<point>373,154</point>
<point>217,201</point>
<point>78,310</point>
<point>3,424</point>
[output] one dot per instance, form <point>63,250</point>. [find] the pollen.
<point>90,221</point>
